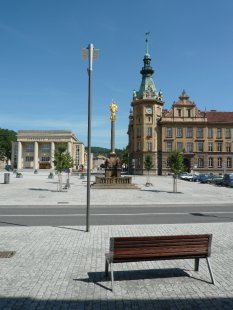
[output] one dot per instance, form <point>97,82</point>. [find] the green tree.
<point>148,165</point>
<point>62,162</point>
<point>176,164</point>
<point>6,137</point>
<point>125,156</point>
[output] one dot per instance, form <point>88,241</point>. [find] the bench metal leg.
<point>196,267</point>
<point>112,277</point>
<point>210,271</point>
<point>106,267</point>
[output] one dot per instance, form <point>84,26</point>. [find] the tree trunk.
<point>59,182</point>
<point>174,184</point>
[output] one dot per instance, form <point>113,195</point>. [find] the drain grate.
<point>7,254</point>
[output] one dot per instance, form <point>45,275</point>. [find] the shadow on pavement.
<point>75,229</point>
<point>116,302</point>
<point>96,277</point>
<point>14,224</point>
<point>212,215</point>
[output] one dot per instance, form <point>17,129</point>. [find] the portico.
<point>35,149</point>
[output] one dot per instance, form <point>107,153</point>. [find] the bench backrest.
<point>160,247</point>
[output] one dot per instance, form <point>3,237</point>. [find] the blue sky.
<point>44,81</point>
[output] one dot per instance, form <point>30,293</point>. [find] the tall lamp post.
<point>89,53</point>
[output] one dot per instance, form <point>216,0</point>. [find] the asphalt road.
<point>64,215</point>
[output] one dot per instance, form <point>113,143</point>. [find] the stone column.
<point>70,151</point>
<point>12,154</point>
<point>52,154</point>
<point>36,166</point>
<point>113,137</point>
<point>70,148</point>
<point>19,159</point>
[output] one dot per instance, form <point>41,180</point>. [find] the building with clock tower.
<point>205,138</point>
<point>144,134</point>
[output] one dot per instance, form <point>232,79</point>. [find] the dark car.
<point>228,179</point>
<point>205,178</point>
<point>217,180</point>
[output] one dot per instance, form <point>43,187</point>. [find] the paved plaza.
<point>63,267</point>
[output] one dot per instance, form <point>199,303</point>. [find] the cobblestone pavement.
<point>34,189</point>
<point>63,268</point>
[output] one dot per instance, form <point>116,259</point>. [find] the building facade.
<point>204,137</point>
<point>35,149</point>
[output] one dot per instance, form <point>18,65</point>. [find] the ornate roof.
<point>147,88</point>
<point>184,100</point>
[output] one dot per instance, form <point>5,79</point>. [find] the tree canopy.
<point>176,162</point>
<point>62,159</point>
<point>148,164</point>
<point>6,137</point>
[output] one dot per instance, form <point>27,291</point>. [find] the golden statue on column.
<point>113,109</point>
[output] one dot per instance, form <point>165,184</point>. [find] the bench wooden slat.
<point>135,252</point>
<point>171,237</point>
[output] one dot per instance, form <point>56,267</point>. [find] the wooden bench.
<point>149,248</point>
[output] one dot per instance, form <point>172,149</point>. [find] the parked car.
<point>228,179</point>
<point>188,176</point>
<point>217,180</point>
<point>205,178</point>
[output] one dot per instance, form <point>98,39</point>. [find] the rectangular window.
<point>210,133</point>
<point>138,146</point>
<point>199,146</point>
<point>179,112</point>
<point>179,146</point>
<point>219,146</point>
<point>189,147</point>
<point>29,158</point>
<point>219,133</point>
<point>219,162</point>
<point>228,133</point>
<point>149,131</point>
<point>210,162</point>
<point>45,158</point>
<point>138,132</point>
<point>45,148</point>
<point>179,132</point>
<point>200,163</point>
<point>169,146</point>
<point>29,147</point>
<point>168,132</point>
<point>199,132</point>
<point>189,132</point>
<point>189,112</point>
<point>210,147</point>
<point>149,146</point>
<point>228,147</point>
<point>229,162</point>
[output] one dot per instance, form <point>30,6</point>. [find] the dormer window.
<point>189,112</point>
<point>179,112</point>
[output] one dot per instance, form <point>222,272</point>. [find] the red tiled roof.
<point>220,117</point>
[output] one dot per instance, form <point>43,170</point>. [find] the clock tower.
<point>144,133</point>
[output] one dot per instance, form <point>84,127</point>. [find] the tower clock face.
<point>149,110</point>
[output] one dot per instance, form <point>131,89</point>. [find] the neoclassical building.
<point>204,137</point>
<point>35,149</point>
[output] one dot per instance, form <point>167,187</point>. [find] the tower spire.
<point>147,47</point>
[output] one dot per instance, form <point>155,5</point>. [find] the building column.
<point>52,154</point>
<point>36,166</point>
<point>70,152</point>
<point>12,154</point>
<point>19,159</point>
<point>70,148</point>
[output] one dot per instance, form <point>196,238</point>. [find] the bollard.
<point>6,178</point>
